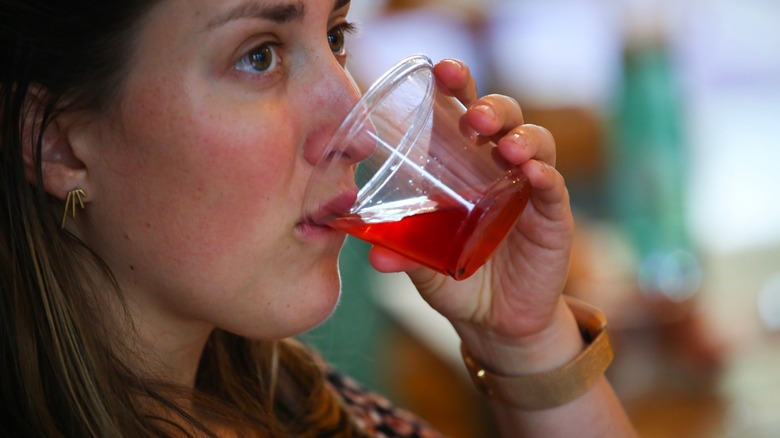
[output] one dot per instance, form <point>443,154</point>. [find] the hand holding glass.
<point>406,172</point>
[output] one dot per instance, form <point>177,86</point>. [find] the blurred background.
<point>664,114</point>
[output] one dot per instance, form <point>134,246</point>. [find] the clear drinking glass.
<point>405,171</point>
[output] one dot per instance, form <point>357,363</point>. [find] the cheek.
<point>227,186</point>
<point>216,156</point>
<point>202,191</point>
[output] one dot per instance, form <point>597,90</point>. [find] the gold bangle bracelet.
<point>555,387</point>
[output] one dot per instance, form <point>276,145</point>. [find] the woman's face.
<point>196,178</point>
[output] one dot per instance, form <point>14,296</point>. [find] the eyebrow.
<point>278,13</point>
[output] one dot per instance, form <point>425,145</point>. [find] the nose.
<point>332,95</point>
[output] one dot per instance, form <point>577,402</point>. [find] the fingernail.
<point>519,140</point>
<point>456,63</point>
<point>487,110</point>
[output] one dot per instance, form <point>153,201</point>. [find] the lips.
<point>338,206</point>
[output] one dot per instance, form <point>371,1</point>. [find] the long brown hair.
<point>61,373</point>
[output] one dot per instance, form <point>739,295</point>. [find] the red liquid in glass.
<point>450,239</point>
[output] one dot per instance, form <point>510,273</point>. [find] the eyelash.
<point>245,64</point>
<point>345,28</point>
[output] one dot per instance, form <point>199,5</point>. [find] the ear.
<point>61,170</point>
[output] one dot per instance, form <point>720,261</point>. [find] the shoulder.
<point>376,415</point>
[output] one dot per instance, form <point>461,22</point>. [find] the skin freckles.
<point>195,170</point>
<point>201,170</point>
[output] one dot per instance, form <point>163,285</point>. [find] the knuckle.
<point>542,133</point>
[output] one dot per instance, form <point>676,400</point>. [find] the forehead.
<point>188,20</point>
<point>216,12</point>
<point>178,31</point>
<point>274,11</point>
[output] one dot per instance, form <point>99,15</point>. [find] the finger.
<point>550,196</point>
<point>494,114</point>
<point>456,77</point>
<point>528,142</point>
<point>385,260</point>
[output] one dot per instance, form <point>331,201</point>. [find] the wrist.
<point>554,387</point>
<point>558,343</point>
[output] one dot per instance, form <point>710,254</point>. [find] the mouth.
<point>319,219</point>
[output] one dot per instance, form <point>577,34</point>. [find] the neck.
<point>164,348</point>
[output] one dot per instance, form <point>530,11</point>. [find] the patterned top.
<point>376,415</point>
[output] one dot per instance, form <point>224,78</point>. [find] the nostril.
<point>342,149</point>
<point>326,154</point>
<point>360,146</point>
<point>336,155</point>
<point>316,146</point>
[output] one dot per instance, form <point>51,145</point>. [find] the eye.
<point>337,38</point>
<point>262,59</point>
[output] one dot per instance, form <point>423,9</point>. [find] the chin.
<point>319,299</point>
<point>329,294</point>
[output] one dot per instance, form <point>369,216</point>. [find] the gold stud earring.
<point>75,196</point>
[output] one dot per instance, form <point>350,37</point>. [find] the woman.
<point>154,252</point>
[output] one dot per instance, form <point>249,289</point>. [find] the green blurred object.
<point>648,161</point>
<point>351,338</point>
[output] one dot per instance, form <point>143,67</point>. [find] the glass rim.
<point>378,91</point>
<point>374,95</point>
